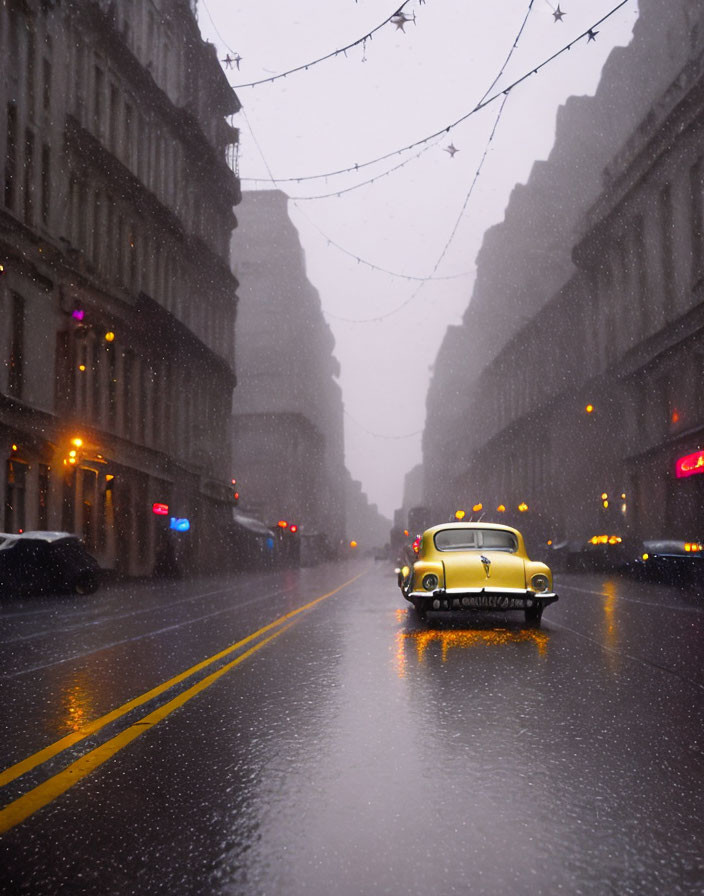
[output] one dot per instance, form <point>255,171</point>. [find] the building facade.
<point>588,416</point>
<point>288,435</point>
<point>117,300</point>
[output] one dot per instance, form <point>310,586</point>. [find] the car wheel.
<point>534,614</point>
<point>420,611</point>
<point>86,583</point>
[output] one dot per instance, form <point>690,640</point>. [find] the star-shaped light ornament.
<point>591,35</point>
<point>229,61</point>
<point>558,15</point>
<point>400,18</point>
<point>452,149</point>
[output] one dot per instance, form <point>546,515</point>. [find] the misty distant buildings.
<point>288,450</point>
<point>367,528</point>
<point>117,303</point>
<point>573,383</point>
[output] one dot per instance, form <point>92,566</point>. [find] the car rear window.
<point>475,540</point>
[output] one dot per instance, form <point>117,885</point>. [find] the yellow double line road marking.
<point>26,805</point>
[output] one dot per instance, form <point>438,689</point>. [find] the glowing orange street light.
<point>589,409</point>
<point>459,514</point>
<point>477,508</point>
<point>282,524</point>
<point>501,508</point>
<point>523,507</point>
<point>353,544</point>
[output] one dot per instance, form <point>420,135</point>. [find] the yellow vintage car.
<point>476,566</point>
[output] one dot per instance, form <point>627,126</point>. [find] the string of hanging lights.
<point>590,35</point>
<point>399,18</point>
<point>380,317</point>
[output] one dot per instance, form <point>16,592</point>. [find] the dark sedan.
<point>34,562</point>
<point>671,561</point>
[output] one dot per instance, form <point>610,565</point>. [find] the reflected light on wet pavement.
<point>461,638</point>
<point>76,706</point>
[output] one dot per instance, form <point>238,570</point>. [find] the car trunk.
<point>466,570</point>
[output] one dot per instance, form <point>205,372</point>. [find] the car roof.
<point>441,527</point>
<point>13,537</point>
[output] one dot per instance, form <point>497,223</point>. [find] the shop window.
<point>43,497</point>
<point>15,487</point>
<point>68,501</point>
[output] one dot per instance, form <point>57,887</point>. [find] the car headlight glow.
<point>430,582</point>
<point>540,582</point>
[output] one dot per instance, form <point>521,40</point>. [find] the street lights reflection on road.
<point>447,639</point>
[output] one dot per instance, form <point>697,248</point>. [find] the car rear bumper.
<point>481,599</point>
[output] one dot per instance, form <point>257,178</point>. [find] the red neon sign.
<point>160,509</point>
<point>690,464</point>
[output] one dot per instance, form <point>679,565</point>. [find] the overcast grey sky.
<point>402,86</point>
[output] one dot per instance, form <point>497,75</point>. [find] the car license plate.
<point>496,602</point>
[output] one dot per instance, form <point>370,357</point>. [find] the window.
<point>127,393</point>
<point>46,183</point>
<point>667,244</point>
<point>29,177</point>
<point>475,540</point>
<point>16,365</point>
<point>696,176</point>
<point>127,136</point>
<point>97,242</point>
<point>113,137</point>
<point>11,156</point>
<point>30,72</point>
<point>111,371</point>
<point>98,88</point>
<point>46,77</point>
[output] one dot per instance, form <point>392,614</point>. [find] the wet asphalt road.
<point>356,751</point>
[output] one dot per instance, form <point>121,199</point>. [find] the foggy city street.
<point>352,440</point>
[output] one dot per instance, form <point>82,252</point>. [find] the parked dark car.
<point>598,553</point>
<point>34,562</point>
<point>671,561</point>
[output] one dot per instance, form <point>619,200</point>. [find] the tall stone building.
<point>571,386</point>
<point>117,303</point>
<point>288,434</point>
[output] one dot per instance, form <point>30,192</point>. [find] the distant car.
<point>34,562</point>
<point>601,552</point>
<point>476,566</point>
<point>670,561</point>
